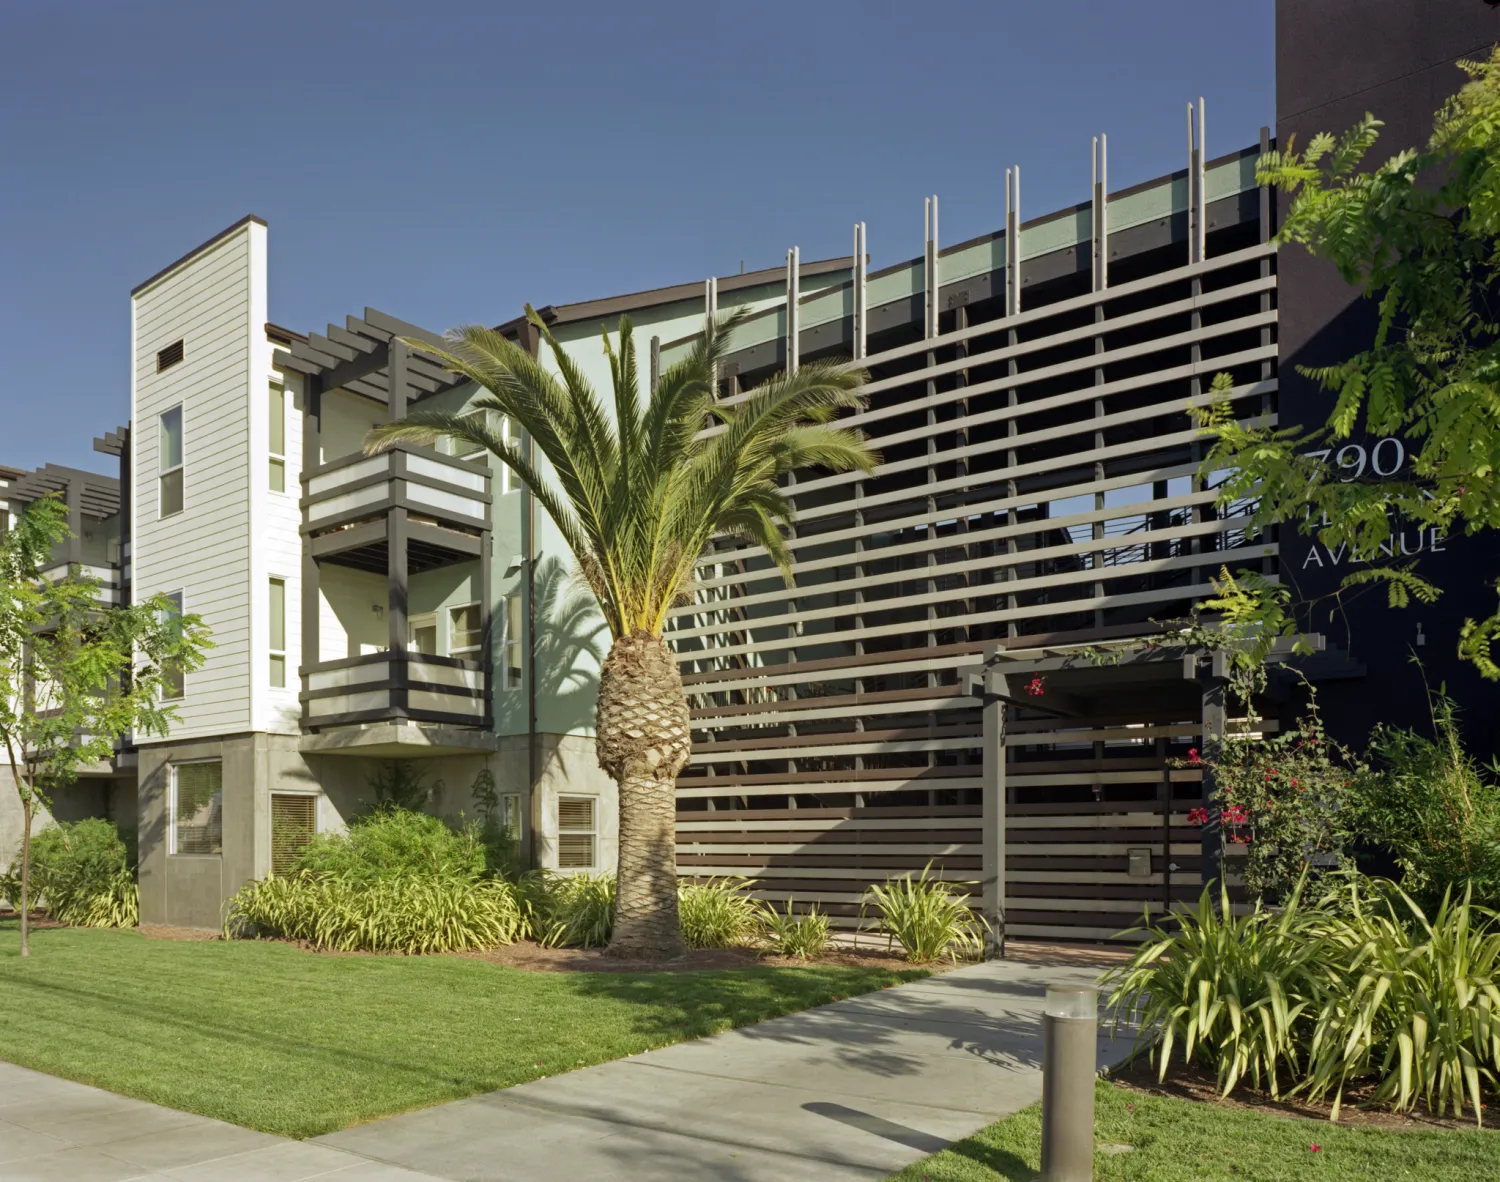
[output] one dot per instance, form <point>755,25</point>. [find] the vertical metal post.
<point>1100,164</point>
<point>1201,187</point>
<point>1013,241</point>
<point>1212,680</point>
<point>861,267</point>
<point>312,457</point>
<point>710,298</point>
<point>396,368</point>
<point>73,499</point>
<point>793,317</point>
<point>396,607</point>
<point>655,363</point>
<point>994,691</point>
<point>930,267</point>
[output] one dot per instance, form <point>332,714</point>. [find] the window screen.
<point>197,808</point>
<point>276,437</point>
<point>576,833</point>
<point>514,634</point>
<point>294,819</point>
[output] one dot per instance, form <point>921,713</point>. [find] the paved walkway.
<point>852,1090</point>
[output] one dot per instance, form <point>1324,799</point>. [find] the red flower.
<point>1314,1149</point>
<point>1193,755</point>
<point>1197,816</point>
<point>1235,815</point>
<point>1036,687</point>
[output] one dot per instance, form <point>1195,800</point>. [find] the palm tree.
<point>638,500</point>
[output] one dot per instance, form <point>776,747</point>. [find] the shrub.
<point>716,913</point>
<point>502,851</point>
<point>395,914</point>
<point>1434,808</point>
<point>396,843</point>
<point>1415,1002</point>
<point>927,917</point>
<point>83,872</point>
<point>1238,990</point>
<point>789,934</point>
<point>573,910</point>
<point>1288,800</point>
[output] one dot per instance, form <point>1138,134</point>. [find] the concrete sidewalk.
<point>852,1090</point>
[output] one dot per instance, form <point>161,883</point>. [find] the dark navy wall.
<point>1335,60</point>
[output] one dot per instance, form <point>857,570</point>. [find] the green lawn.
<point>1182,1141</point>
<point>291,1042</point>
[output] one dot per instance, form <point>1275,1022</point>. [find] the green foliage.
<point>395,843</point>
<point>405,914</point>
<point>1434,808</point>
<point>502,851</point>
<point>83,872</point>
<point>1415,1002</point>
<point>75,676</point>
<point>716,913</point>
<point>1417,234</point>
<point>402,784</point>
<point>570,910</point>
<point>1238,991</point>
<point>640,488</point>
<point>1361,987</point>
<point>1290,800</point>
<point>927,917</point>
<point>788,934</point>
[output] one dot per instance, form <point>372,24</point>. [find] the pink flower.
<point>1198,816</point>
<point>1314,1149</point>
<point>1193,755</point>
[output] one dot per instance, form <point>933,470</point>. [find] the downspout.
<point>533,756</point>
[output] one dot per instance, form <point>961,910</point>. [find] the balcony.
<point>380,687</point>
<point>347,508</point>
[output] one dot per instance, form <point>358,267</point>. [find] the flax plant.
<point>1238,991</point>
<point>716,913</point>
<point>927,917</point>
<point>1419,1003</point>
<point>789,934</point>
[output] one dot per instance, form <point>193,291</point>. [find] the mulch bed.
<point>1197,1083</point>
<point>535,958</point>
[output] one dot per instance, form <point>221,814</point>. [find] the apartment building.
<point>923,695</point>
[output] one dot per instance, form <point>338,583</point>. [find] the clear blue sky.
<point>446,162</point>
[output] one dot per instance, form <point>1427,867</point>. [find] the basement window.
<point>577,835</point>
<point>168,357</point>
<point>294,820</point>
<point>197,808</point>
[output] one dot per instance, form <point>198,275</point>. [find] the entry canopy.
<point>357,358</point>
<point>1090,681</point>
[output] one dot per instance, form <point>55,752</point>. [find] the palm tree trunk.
<point>642,730</point>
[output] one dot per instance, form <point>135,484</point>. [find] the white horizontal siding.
<point>212,303</point>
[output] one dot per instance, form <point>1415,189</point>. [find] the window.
<point>197,808</point>
<point>169,463</point>
<point>509,481</point>
<point>463,630</point>
<point>276,437</point>
<point>277,632</point>
<point>168,357</point>
<point>510,815</point>
<point>423,635</point>
<point>294,819</point>
<point>575,832</point>
<point>465,450</point>
<point>172,679</point>
<point>512,666</point>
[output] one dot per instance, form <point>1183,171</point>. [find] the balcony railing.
<point>357,488</point>
<point>385,686</point>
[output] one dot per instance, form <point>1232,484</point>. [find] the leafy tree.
<point>638,495</point>
<point>1417,234</point>
<point>75,677</point>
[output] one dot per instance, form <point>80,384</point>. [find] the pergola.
<point>1092,686</point>
<point>86,494</point>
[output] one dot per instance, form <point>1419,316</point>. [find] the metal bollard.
<point>1070,1035</point>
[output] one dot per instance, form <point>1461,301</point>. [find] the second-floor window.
<point>463,630</point>
<point>277,633</point>
<point>276,437</point>
<point>172,680</point>
<point>169,463</point>
<point>511,665</point>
